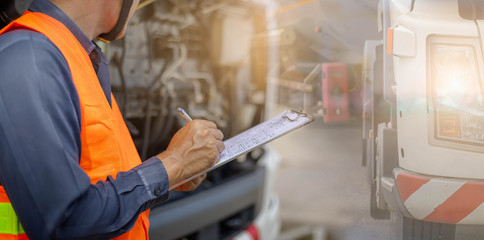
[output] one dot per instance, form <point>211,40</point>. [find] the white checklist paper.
<point>256,136</point>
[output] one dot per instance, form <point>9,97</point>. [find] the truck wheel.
<point>413,229</point>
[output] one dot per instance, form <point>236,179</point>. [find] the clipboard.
<point>246,141</point>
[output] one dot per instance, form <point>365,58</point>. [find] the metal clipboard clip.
<point>299,114</point>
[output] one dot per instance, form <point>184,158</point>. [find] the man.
<point>67,163</point>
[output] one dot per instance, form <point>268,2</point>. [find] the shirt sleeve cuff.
<point>154,177</point>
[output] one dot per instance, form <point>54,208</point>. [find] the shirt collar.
<point>48,8</point>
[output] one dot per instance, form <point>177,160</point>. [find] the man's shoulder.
<point>32,65</point>
<point>21,42</point>
<point>24,49</point>
<point>22,35</point>
<point>30,58</point>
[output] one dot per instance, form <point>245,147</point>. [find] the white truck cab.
<point>423,121</point>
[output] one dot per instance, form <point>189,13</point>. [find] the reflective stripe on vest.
<point>10,227</point>
<point>106,145</point>
<point>9,223</point>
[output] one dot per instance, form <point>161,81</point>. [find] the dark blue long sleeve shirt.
<point>40,125</point>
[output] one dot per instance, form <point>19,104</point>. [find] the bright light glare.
<point>455,74</point>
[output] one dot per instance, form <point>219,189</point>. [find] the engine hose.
<point>159,123</point>
<point>147,130</point>
<point>168,122</point>
<point>165,74</point>
<point>147,127</point>
<point>119,65</point>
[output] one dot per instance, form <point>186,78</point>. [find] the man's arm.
<point>40,150</point>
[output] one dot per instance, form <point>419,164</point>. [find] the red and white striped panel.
<point>251,233</point>
<point>445,200</point>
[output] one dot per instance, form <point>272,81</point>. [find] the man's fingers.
<point>217,134</point>
<point>206,123</point>
<point>202,177</point>
<point>191,185</point>
<point>220,146</point>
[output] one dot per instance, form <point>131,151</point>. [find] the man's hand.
<point>194,148</point>
<point>192,184</point>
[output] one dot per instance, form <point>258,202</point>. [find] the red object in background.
<point>335,92</point>
<point>253,232</point>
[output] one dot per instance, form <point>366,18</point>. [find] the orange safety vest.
<point>106,145</point>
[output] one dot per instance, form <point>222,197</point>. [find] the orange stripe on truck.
<point>459,205</point>
<point>390,41</point>
<point>408,184</point>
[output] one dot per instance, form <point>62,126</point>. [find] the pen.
<point>184,114</point>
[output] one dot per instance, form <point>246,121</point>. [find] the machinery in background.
<point>422,123</point>
<point>191,54</point>
<point>200,55</point>
<point>322,92</point>
<point>318,65</point>
<point>335,92</point>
